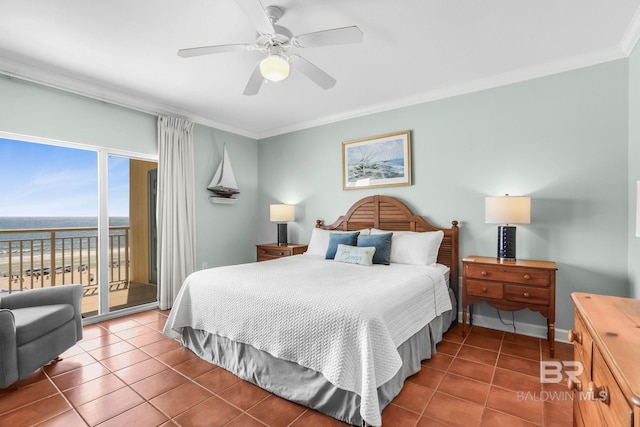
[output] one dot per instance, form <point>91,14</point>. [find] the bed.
<point>338,337</point>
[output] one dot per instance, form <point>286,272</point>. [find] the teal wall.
<point>634,169</point>
<point>225,234</point>
<point>560,139</point>
<point>34,110</point>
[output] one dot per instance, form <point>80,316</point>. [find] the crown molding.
<point>504,79</point>
<point>632,35</point>
<point>112,95</point>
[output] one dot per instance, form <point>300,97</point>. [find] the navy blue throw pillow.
<point>382,243</point>
<point>349,239</point>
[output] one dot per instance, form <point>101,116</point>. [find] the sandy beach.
<point>69,268</point>
<point>85,278</point>
<point>26,266</point>
<point>37,261</point>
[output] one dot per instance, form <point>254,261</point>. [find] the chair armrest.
<point>62,294</point>
<point>8,349</point>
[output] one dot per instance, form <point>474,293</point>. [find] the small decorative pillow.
<point>382,243</point>
<point>335,239</point>
<point>355,254</point>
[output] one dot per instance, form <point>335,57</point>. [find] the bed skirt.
<point>307,387</point>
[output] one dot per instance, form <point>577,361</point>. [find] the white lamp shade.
<point>274,68</point>
<point>282,213</point>
<point>507,210</point>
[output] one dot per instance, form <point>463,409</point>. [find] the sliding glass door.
<point>73,214</point>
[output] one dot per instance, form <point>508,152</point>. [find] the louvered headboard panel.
<point>389,213</point>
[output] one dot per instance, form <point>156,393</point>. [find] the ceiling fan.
<point>277,43</point>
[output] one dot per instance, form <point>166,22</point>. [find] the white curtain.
<point>176,207</point>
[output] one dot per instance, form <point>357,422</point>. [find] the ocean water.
<point>384,169</point>
<point>37,222</point>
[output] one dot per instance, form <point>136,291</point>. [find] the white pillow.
<point>320,240</point>
<point>362,255</point>
<point>417,248</point>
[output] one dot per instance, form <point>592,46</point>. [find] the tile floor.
<point>125,372</point>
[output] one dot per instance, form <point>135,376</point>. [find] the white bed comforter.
<point>342,320</point>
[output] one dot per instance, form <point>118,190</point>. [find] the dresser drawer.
<point>485,289</point>
<point>615,410</point>
<point>273,253</point>
<point>577,414</point>
<point>509,274</point>
<point>268,251</point>
<point>527,294</point>
<point>582,343</point>
<point>586,411</point>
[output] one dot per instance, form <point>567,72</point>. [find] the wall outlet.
<point>205,265</point>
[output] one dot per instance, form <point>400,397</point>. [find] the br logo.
<point>552,371</point>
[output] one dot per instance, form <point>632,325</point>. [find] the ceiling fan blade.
<point>254,83</point>
<point>319,77</point>
<point>257,15</point>
<point>209,50</point>
<point>345,35</point>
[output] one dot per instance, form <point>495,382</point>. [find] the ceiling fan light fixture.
<point>275,68</point>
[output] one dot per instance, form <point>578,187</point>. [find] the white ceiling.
<point>413,51</point>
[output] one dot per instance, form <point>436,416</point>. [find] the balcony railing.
<point>39,258</point>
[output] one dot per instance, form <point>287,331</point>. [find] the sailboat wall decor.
<point>223,183</point>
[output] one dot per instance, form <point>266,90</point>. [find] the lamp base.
<point>282,234</point>
<point>507,242</point>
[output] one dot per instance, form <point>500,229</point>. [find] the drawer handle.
<point>483,273</point>
<point>598,393</point>
<point>526,295</point>
<point>527,277</point>
<point>484,289</point>
<point>572,385</point>
<point>281,253</point>
<point>574,336</point>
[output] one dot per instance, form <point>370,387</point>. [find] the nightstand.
<point>510,286</point>
<point>269,251</point>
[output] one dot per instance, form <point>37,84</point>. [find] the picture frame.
<point>378,161</point>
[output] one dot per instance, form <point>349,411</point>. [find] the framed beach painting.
<point>379,161</point>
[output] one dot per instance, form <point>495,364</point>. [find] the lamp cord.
<point>513,320</point>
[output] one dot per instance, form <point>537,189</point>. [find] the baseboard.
<point>537,331</point>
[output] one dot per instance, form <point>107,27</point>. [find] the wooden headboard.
<point>389,213</point>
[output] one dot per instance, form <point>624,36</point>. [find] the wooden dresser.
<point>511,285</point>
<point>606,338</point>
<point>267,251</point>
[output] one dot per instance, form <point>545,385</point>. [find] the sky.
<point>48,180</point>
<point>381,151</point>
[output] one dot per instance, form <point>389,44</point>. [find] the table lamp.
<point>282,214</point>
<point>507,210</point>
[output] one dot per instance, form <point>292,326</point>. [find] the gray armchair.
<point>36,326</point>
